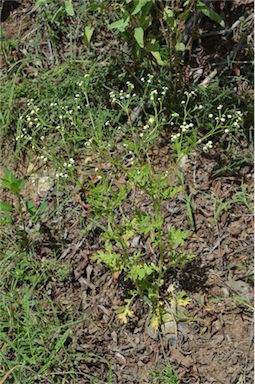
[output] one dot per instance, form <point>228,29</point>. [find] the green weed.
<point>167,375</point>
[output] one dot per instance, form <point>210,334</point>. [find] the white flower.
<point>183,102</point>
<point>219,106</point>
<point>151,120</point>
<point>229,116</point>
<point>210,115</point>
<point>226,130</point>
<point>200,106</point>
<point>222,119</point>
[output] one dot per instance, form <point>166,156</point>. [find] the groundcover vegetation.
<point>126,192</point>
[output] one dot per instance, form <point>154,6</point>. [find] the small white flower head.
<point>229,116</point>
<point>172,123</point>
<point>239,113</point>
<point>86,76</point>
<point>175,114</point>
<point>191,125</point>
<point>130,85</point>
<point>78,107</point>
<point>146,126</point>
<point>226,130</point>
<point>134,95</point>
<point>219,107</point>
<point>107,123</point>
<point>222,119</point>
<point>77,95</point>
<point>183,102</point>
<point>207,146</point>
<point>199,141</point>
<point>71,160</point>
<point>153,94</point>
<point>142,79</point>
<point>151,120</point>
<point>141,134</point>
<point>235,124</point>
<point>42,138</point>
<point>65,164</point>
<point>200,106</point>
<point>210,115</point>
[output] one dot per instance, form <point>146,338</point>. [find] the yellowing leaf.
<point>123,317</point>
<point>155,321</point>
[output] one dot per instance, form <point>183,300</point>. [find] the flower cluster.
<point>208,146</point>
<point>61,174</point>
<point>185,126</point>
<point>153,94</point>
<point>122,95</point>
<point>69,163</point>
<point>31,118</point>
<point>175,136</point>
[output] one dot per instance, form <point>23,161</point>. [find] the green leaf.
<point>31,207</point>
<point>42,208</point>
<point>69,7</point>
<point>5,207</point>
<point>120,24</point>
<point>138,35</point>
<point>10,182</point>
<point>210,13</point>
<point>158,58</point>
<point>140,4</point>
<point>88,32</point>
<point>169,18</point>
<point>180,47</point>
<point>177,236</point>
